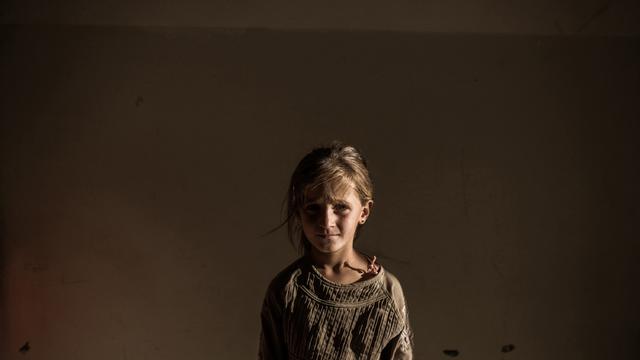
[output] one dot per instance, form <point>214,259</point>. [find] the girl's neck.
<point>336,262</point>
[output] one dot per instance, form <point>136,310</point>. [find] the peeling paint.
<point>451,352</point>
<point>25,348</point>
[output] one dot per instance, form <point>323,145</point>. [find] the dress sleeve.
<point>400,347</point>
<point>272,345</point>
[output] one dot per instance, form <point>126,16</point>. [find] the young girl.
<point>334,302</point>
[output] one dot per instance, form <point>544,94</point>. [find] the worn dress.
<point>305,316</point>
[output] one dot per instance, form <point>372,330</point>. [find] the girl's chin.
<point>328,246</point>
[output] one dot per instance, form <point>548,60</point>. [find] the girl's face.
<point>330,226</point>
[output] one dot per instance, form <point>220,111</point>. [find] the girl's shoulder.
<point>391,282</point>
<point>394,288</point>
<point>286,276</point>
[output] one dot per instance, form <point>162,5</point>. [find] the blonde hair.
<point>335,168</point>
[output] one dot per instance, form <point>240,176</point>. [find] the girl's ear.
<point>366,211</point>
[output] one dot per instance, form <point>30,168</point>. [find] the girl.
<point>334,302</point>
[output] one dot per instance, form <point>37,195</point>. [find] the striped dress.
<point>308,317</point>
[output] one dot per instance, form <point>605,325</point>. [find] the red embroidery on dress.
<point>373,268</point>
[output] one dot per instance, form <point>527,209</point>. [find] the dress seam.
<point>356,304</point>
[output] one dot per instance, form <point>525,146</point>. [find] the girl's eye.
<point>341,207</point>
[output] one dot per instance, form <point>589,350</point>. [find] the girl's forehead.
<point>329,192</point>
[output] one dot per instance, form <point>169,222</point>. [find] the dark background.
<point>146,146</point>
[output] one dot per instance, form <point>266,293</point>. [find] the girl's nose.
<point>328,219</point>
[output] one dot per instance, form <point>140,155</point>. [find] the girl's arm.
<point>400,347</point>
<point>272,345</point>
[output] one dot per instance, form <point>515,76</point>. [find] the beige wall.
<point>141,164</point>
